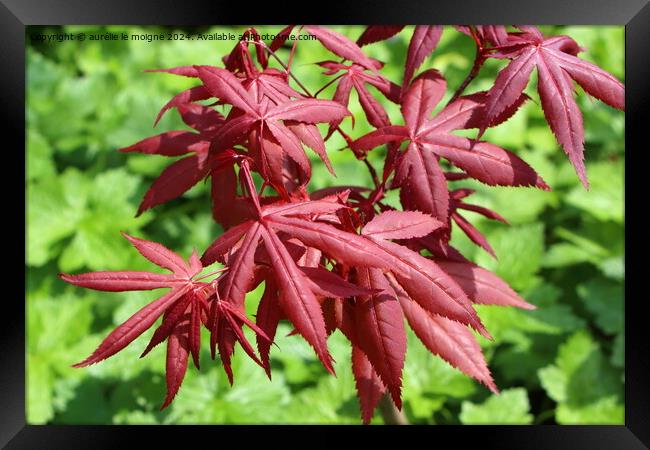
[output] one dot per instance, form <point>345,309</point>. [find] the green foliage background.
<point>563,251</point>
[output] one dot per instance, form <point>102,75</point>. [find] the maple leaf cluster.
<point>340,258</point>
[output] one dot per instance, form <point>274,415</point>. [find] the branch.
<point>390,413</point>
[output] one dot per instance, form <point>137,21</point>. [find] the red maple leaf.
<point>184,310</point>
<point>356,76</point>
<point>418,171</point>
<point>557,64</point>
<point>270,136</point>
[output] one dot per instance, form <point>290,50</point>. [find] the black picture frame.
<point>15,15</point>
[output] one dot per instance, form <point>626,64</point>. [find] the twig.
<point>479,59</point>
<point>329,83</point>
<point>476,67</point>
<point>390,413</point>
<point>373,172</point>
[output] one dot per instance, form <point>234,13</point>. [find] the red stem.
<point>479,59</point>
<point>250,185</point>
<point>327,85</point>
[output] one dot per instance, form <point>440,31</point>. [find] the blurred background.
<point>563,250</point>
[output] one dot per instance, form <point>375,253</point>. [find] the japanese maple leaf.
<point>422,278</point>
<point>210,144</point>
<point>270,88</point>
<point>557,64</point>
<point>370,388</point>
<point>225,322</point>
<point>181,306</point>
<point>297,292</point>
<point>418,172</point>
<point>272,137</point>
<point>374,323</point>
<point>438,242</point>
<point>269,84</point>
<point>425,281</point>
<point>355,76</point>
<point>450,340</point>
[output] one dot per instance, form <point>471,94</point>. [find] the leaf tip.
<point>523,304</point>
<point>65,277</point>
<point>481,132</point>
<point>146,351</point>
<point>492,386</point>
<point>142,208</point>
<point>484,332</point>
<point>167,402</point>
<point>84,363</point>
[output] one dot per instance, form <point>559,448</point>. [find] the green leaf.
<point>604,200</point>
<point>140,393</point>
<point>586,388</point>
<point>518,326</point>
<point>39,391</point>
<point>519,363</point>
<point>294,358</point>
<point>604,299</point>
<point>613,268</point>
<point>510,407</point>
<point>88,405</point>
<point>97,243</point>
<point>554,380</point>
<point>603,411</point>
<point>127,363</point>
<point>39,156</point>
<point>55,322</point>
<point>429,382</point>
<point>54,207</point>
<point>594,242</point>
<point>332,400</point>
<point>564,254</point>
<point>136,417</point>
